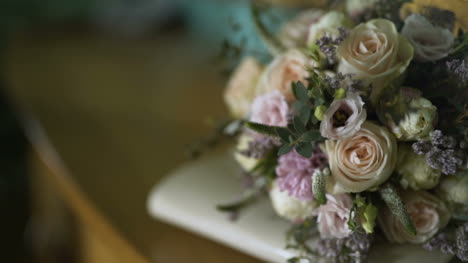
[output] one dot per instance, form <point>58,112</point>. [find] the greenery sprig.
<point>297,238</point>
<point>302,134</point>
<point>391,198</point>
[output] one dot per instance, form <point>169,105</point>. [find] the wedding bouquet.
<point>358,127</point>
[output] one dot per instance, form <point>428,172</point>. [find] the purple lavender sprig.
<point>354,248</point>
<point>441,152</point>
<point>259,147</point>
<point>327,44</point>
<point>451,242</point>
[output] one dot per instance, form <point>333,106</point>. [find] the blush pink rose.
<point>334,215</point>
<point>270,109</point>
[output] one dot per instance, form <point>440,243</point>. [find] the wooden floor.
<point>119,113</point>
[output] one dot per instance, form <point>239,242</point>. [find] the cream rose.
<point>414,171</point>
<point>362,161</point>
<point>289,207</point>
<point>285,69</point>
<point>294,33</point>
<point>241,87</point>
<point>430,42</point>
<point>375,53</point>
<point>428,213</point>
<point>333,216</point>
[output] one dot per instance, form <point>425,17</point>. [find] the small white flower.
<point>455,189</point>
<point>344,117</point>
<point>430,42</point>
<point>417,122</point>
<point>247,163</point>
<point>289,207</point>
<point>414,171</point>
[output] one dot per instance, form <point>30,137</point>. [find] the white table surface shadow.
<point>188,196</point>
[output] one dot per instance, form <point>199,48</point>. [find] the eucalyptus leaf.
<point>312,136</point>
<point>284,135</point>
<point>305,149</point>
<point>304,114</point>
<point>263,129</point>
<point>285,149</point>
<point>299,125</point>
<point>300,91</point>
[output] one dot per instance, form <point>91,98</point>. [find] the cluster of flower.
<point>375,132</point>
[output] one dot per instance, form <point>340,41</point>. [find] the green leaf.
<point>390,196</point>
<point>312,136</point>
<point>298,105</point>
<point>284,135</point>
<point>238,205</point>
<point>299,125</point>
<point>285,149</point>
<point>263,129</point>
<point>300,91</point>
<point>304,114</point>
<point>305,149</point>
<point>370,214</point>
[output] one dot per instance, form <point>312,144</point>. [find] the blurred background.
<point>98,101</point>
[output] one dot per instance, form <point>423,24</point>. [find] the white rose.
<point>428,213</point>
<point>375,53</point>
<point>241,88</point>
<point>294,33</point>
<point>362,161</point>
<point>455,189</point>
<point>344,117</point>
<point>414,171</point>
<point>333,216</point>
<point>289,207</point>
<point>430,42</point>
<point>285,69</point>
<point>247,163</point>
<point>417,122</point>
<point>328,25</point>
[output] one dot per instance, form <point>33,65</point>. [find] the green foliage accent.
<point>247,199</point>
<point>298,236</point>
<point>272,131</point>
<point>363,214</point>
<point>390,196</point>
<point>222,131</point>
<point>319,181</point>
<point>462,48</point>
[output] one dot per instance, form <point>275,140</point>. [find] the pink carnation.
<point>270,109</point>
<point>295,173</point>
